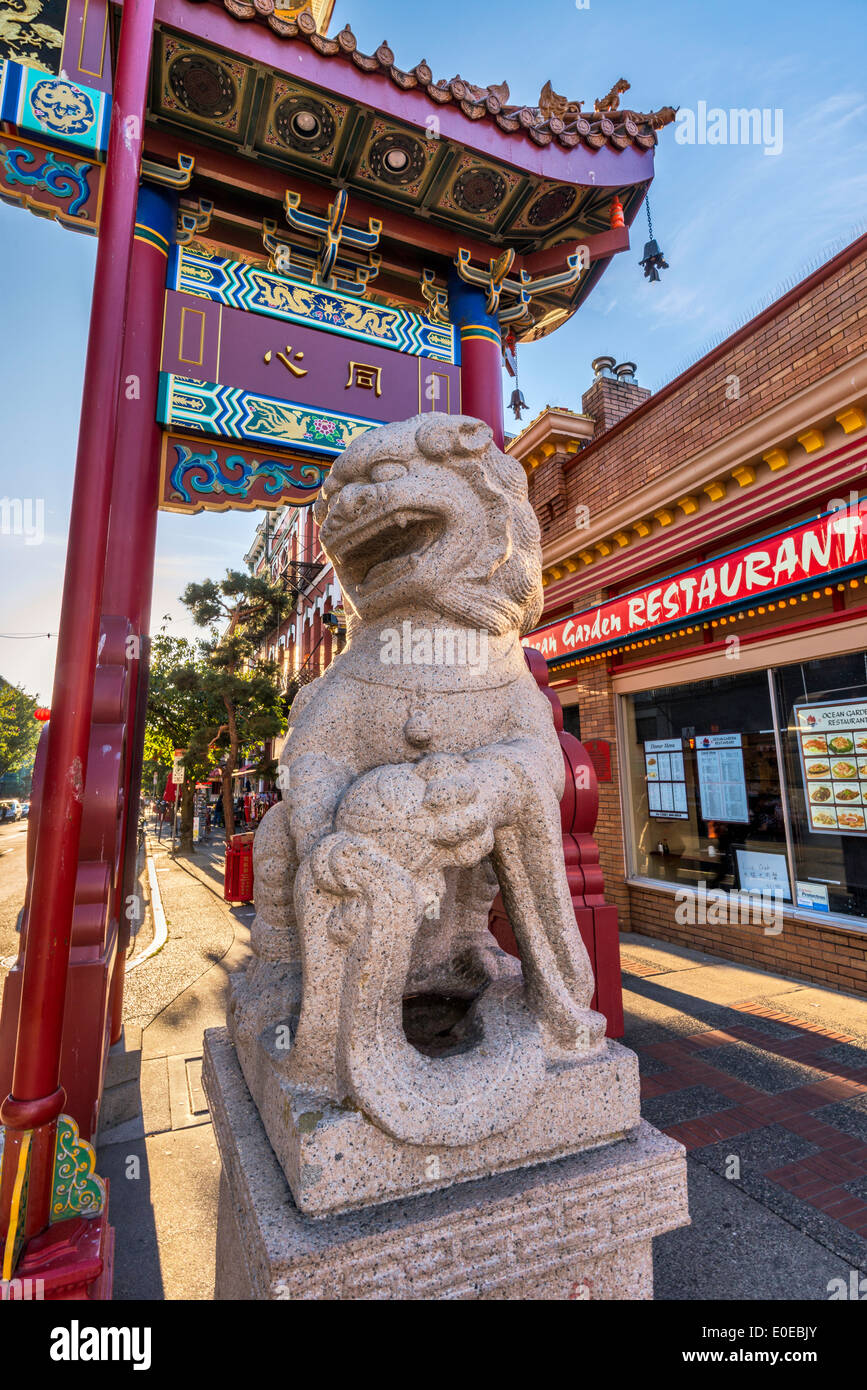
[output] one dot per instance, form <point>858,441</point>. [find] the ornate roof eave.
<point>552,427</point>
<point>606,126</point>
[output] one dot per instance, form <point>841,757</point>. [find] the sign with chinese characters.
<point>666,779</point>
<point>832,747</point>
<point>277,401</point>
<point>810,554</point>
<point>300,364</point>
<point>721,781</point>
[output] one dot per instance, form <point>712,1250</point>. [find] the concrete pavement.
<point>163,1167</point>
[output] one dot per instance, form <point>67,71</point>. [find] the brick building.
<point>706,618</point>
<point>287,545</point>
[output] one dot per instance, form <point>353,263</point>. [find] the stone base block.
<point>577,1228</point>
<point>336,1160</point>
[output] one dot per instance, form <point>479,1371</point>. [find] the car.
<point>12,810</point>
<point>25,808</point>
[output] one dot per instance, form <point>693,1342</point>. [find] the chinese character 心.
<point>284,358</point>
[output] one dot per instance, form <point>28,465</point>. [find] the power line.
<point>826,254</point>
<point>26,636</point>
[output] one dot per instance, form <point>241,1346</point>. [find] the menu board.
<point>832,745</point>
<point>666,779</point>
<point>721,781</point>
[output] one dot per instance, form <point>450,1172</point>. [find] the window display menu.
<point>666,779</point>
<point>832,745</point>
<point>721,781</point>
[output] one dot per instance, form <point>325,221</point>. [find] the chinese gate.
<point>298,241</point>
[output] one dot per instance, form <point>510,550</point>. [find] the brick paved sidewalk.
<point>760,1094</point>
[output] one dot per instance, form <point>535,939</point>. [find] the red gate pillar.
<point>129,561</point>
<point>30,1113</point>
<point>481,356</point>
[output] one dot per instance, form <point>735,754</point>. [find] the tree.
<point>240,611</point>
<point>180,715</point>
<point>19,731</point>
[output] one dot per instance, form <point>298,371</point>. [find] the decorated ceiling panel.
<point>308,128</point>
<point>398,162</point>
<point>480,192</point>
<point>302,128</point>
<point>203,89</point>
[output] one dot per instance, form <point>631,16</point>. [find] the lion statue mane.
<point>412,792</point>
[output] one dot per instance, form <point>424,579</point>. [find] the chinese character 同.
<point>368,378</point>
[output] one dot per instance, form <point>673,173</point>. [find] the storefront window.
<point>707,801</point>
<point>755,782</point>
<point>572,720</point>
<point>822,708</point>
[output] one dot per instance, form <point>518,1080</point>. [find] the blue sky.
<point>733,221</point>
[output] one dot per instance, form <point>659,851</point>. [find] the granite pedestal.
<point>580,1227</point>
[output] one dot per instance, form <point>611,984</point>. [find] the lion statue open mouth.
<point>415,785</point>
<point>430,514</point>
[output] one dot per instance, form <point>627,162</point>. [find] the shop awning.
<point>832,546</point>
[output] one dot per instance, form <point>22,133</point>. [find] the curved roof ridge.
<point>605,124</point>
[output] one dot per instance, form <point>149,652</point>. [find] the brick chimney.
<point>613,394</point>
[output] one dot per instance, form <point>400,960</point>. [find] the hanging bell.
<point>517,403</point>
<point>653,261</point>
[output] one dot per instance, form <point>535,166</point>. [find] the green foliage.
<point>240,611</point>
<point>179,713</point>
<point>19,731</point>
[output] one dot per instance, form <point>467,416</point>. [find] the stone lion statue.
<point>420,774</point>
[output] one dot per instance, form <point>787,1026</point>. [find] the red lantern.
<point>616,213</point>
<point>42,714</point>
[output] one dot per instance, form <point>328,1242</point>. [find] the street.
<point>13,881</point>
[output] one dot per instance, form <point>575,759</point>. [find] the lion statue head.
<point>429,512</point>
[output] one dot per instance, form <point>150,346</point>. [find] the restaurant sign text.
<point>827,546</point>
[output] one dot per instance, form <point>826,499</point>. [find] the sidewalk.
<point>763,1079</point>
<point>164,1167</point>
